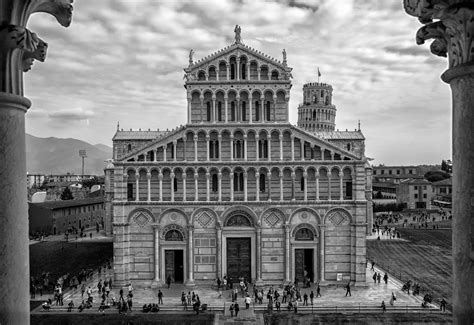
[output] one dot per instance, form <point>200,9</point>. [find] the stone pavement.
<point>370,294</point>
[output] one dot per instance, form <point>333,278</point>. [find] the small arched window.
<point>219,111</point>
<point>129,147</point>
<point>348,147</point>
<point>244,111</point>
<point>268,109</point>
<point>302,184</point>
<point>215,183</point>
<point>175,184</point>
<point>232,111</point>
<point>262,182</point>
<point>257,111</point>
<point>208,111</point>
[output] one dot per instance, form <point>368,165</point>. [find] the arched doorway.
<point>305,254</point>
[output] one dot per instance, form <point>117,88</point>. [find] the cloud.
<point>74,114</point>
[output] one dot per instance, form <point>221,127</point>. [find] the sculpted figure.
<point>237,34</point>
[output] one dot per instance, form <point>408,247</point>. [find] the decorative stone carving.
<point>452,31</point>
<point>141,219</point>
<point>173,233</point>
<point>272,219</point>
<point>237,30</point>
<point>204,219</point>
<point>304,231</point>
<point>338,217</point>
<point>239,219</point>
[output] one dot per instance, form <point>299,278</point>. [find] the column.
<point>214,113</point>
<point>341,188</point>
<point>175,145</point>
<point>287,100</point>
<point>137,179</point>
<point>257,190</point>
<point>287,252</point>
<point>202,108</point>
<point>160,180</point>
<point>196,187</point>
<point>228,71</point>
<point>245,147</point>
<point>292,148</point>
<point>322,253</point>
<point>156,156</point>
<point>270,147</point>
<point>172,186</point>
<point>184,186</point>
<point>164,152</point>
<point>302,149</point>
<point>207,186</point>
<point>237,109</point>
<point>189,109</point>
<point>248,70</point>
<point>317,184</point>
<point>219,137</point>
<point>195,147</point>
<point>281,185</point>
<point>237,68</point>
<point>245,186</point>
<point>148,180</point>
<point>281,146</point>
<point>452,30</point>
<point>257,145</point>
<point>219,179</point>
<point>262,100</point>
<point>190,280</point>
<point>322,153</point>
<point>207,147</point>
<point>329,185</point>
<point>293,177</point>
<point>231,175</point>
<point>219,250</point>
<point>258,72</point>
<point>250,107</point>
<point>332,155</point>
<point>231,147</point>
<point>274,108</point>
<point>269,176</point>
<point>225,107</point>
<point>156,233</point>
<point>258,253</point>
<point>305,177</point>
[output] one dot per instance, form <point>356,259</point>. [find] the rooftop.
<point>137,135</point>
<point>339,135</point>
<point>54,205</point>
<point>447,181</point>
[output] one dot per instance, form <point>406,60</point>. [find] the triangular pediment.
<point>238,50</point>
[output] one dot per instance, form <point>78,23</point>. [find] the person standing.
<point>160,297</point>
<point>83,289</point>
<point>375,277</point>
<point>392,299</point>
<point>385,278</point>
<point>231,309</point>
<point>218,284</point>
<point>305,299</point>
<point>236,308</point>
<point>295,306</point>
<point>311,297</point>
<point>348,289</point>
<point>378,277</point>
<point>247,300</point>
<point>168,281</point>
<point>384,308</point>
<point>442,305</point>
<point>318,291</point>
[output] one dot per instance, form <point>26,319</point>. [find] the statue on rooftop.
<point>191,53</point>
<point>237,34</point>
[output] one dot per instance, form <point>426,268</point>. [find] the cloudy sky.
<point>122,61</point>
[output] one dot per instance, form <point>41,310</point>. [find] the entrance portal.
<point>174,265</point>
<point>304,262</point>
<point>239,259</point>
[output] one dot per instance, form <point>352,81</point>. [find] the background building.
<point>239,191</point>
<point>415,194</point>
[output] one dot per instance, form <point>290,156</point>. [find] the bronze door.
<point>174,265</point>
<point>299,264</point>
<point>239,258</point>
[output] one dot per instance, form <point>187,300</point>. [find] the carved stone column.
<point>219,250</point>
<point>225,108</point>
<point>148,181</point>
<point>287,251</point>
<point>164,151</point>
<point>281,185</point>
<point>219,179</point>
<point>341,185</point>
<point>208,175</point>
<point>214,112</point>
<point>292,148</point>
<point>257,190</point>
<point>245,147</point>
<point>19,47</point>
<point>156,231</point>
<point>207,147</point>
<point>190,279</point>
<point>201,98</point>
<point>219,138</point>
<point>250,106</point>
<point>195,147</point>
<point>175,145</point>
<point>453,31</point>
<point>281,146</point>
<point>317,184</point>
<point>305,180</point>
<point>184,186</point>
<point>160,180</point>
<point>258,254</point>
<point>231,175</point>
<point>137,185</point>
<point>172,186</point>
<point>189,109</point>
<point>270,146</point>
<point>196,187</point>
<point>257,145</point>
<point>231,147</point>
<point>269,176</point>
<point>322,253</point>
<point>245,186</point>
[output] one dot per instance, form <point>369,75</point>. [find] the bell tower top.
<point>317,113</point>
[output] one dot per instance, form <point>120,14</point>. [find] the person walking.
<point>160,297</point>
<point>378,277</point>
<point>295,305</point>
<point>231,309</point>
<point>311,297</point>
<point>384,308</point>
<point>318,291</point>
<point>385,278</point>
<point>442,305</point>
<point>348,289</point>
<point>247,300</point>
<point>218,284</point>
<point>305,299</point>
<point>168,281</point>
<point>375,277</point>
<point>236,308</point>
<point>392,299</point>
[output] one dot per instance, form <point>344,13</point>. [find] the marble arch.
<point>174,216</point>
<point>307,226</point>
<point>239,209</point>
<point>305,215</point>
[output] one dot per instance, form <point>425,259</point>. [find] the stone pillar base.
<point>157,284</point>
<point>190,284</point>
<point>259,282</point>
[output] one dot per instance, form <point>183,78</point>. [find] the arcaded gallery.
<point>238,190</point>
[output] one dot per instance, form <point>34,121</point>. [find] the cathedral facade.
<point>238,190</point>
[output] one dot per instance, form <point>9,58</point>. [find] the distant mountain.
<point>55,155</point>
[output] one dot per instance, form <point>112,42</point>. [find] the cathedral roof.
<point>339,135</point>
<point>232,47</point>
<point>138,135</point>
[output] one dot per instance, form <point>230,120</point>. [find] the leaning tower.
<point>317,112</point>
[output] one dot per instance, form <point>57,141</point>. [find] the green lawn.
<point>425,258</point>
<point>60,258</point>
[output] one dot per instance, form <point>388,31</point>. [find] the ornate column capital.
<point>148,175</point>
<point>452,31</point>
<point>190,228</point>
<point>156,226</point>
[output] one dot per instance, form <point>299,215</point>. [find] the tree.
<point>66,194</point>
<point>444,166</point>
<point>436,175</point>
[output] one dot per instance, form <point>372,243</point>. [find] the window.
<point>416,188</point>
<point>238,181</point>
<point>410,171</point>
<point>262,148</point>
<point>129,147</point>
<point>232,71</point>
<point>129,193</point>
<point>262,182</point>
<point>219,111</point>
<point>257,111</point>
<point>175,184</point>
<point>302,184</point>
<point>348,147</point>
<point>424,187</point>
<point>390,172</point>
<point>215,183</point>
<point>268,111</point>
<point>243,71</point>
<point>398,171</point>
<point>208,111</point>
<point>382,172</point>
<point>238,149</point>
<point>214,149</point>
<point>232,111</point>
<point>424,195</point>
<point>416,196</point>
<point>244,111</point>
